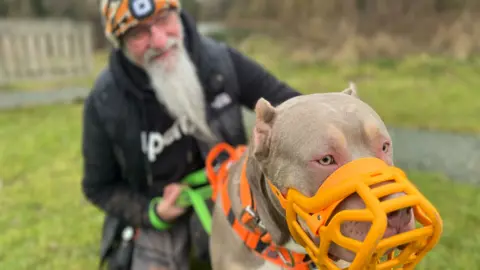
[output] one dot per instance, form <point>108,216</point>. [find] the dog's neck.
<point>268,208</point>
<point>272,217</point>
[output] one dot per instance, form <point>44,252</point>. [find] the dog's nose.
<point>400,217</point>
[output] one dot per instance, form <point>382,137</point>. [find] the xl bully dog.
<point>316,188</point>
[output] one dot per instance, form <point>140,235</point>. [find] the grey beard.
<point>178,88</point>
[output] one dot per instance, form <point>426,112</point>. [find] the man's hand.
<point>166,209</point>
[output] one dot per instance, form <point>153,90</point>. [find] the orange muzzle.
<point>359,177</point>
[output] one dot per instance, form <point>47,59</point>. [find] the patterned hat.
<point>119,16</point>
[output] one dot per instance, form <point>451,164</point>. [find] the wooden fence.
<point>44,49</point>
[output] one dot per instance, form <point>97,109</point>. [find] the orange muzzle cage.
<point>358,177</point>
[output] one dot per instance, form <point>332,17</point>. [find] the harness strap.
<point>248,226</point>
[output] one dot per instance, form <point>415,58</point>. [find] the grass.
<point>99,61</point>
<point>418,91</point>
<point>46,223</point>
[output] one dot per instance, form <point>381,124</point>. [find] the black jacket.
<point>116,173</point>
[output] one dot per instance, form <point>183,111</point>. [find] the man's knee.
<point>157,268</point>
<point>140,262</point>
<point>161,250</point>
<point>142,265</point>
<point>147,259</point>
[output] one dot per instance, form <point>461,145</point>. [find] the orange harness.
<point>248,227</point>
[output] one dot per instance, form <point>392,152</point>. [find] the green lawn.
<point>100,59</point>
<point>46,224</point>
<point>421,91</point>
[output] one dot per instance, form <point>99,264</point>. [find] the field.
<point>45,85</point>
<point>419,91</point>
<point>46,223</point>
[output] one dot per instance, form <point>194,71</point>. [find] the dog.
<point>298,145</point>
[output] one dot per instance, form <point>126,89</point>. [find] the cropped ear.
<point>265,114</point>
<point>351,90</point>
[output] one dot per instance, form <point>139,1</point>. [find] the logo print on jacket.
<point>153,143</point>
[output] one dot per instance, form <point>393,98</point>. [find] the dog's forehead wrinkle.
<point>371,130</point>
<point>314,135</point>
<point>308,126</point>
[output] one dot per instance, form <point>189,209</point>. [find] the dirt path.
<point>12,100</point>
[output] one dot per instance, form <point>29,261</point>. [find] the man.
<point>167,96</point>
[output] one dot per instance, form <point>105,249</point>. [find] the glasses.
<point>143,29</point>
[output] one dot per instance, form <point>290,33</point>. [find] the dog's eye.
<point>385,147</point>
<point>327,160</point>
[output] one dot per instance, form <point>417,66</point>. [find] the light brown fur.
<point>285,143</point>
